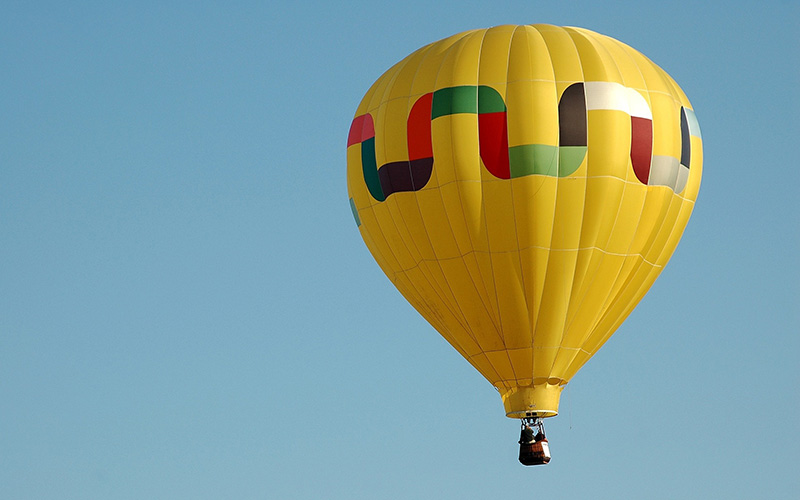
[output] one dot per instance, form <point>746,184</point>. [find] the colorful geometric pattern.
<point>673,172</point>
<point>506,162</point>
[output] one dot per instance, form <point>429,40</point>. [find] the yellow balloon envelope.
<point>522,187</point>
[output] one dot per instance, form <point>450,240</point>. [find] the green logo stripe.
<point>466,99</point>
<point>370,168</point>
<point>542,159</point>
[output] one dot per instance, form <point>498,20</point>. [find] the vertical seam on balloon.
<point>499,325</point>
<point>605,306</point>
<point>637,295</point>
<point>530,308</point>
<point>490,313</point>
<point>660,227</point>
<point>535,306</point>
<point>586,114</point>
<point>457,183</point>
<point>591,279</point>
<point>373,206</point>
<point>494,313</point>
<point>384,100</point>
<point>454,46</point>
<point>411,286</point>
<point>588,279</point>
<point>611,299</point>
<point>453,305</point>
<point>549,371</point>
<point>432,283</point>
<point>655,271</point>
<point>600,313</point>
<point>428,281</point>
<point>555,205</point>
<point>513,216</point>
<point>538,303</point>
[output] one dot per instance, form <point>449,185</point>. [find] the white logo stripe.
<point>613,96</point>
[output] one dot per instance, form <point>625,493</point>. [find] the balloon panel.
<point>523,186</point>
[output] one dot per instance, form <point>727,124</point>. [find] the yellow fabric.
<point>528,276</point>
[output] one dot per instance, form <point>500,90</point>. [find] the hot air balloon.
<point>523,187</point>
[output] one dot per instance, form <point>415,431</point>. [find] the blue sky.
<point>187,309</point>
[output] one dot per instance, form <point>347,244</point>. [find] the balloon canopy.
<point>522,187</point>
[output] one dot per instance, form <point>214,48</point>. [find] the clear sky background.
<point>187,310</point>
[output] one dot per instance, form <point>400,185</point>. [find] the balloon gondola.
<point>523,187</point>
<point>534,449</point>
